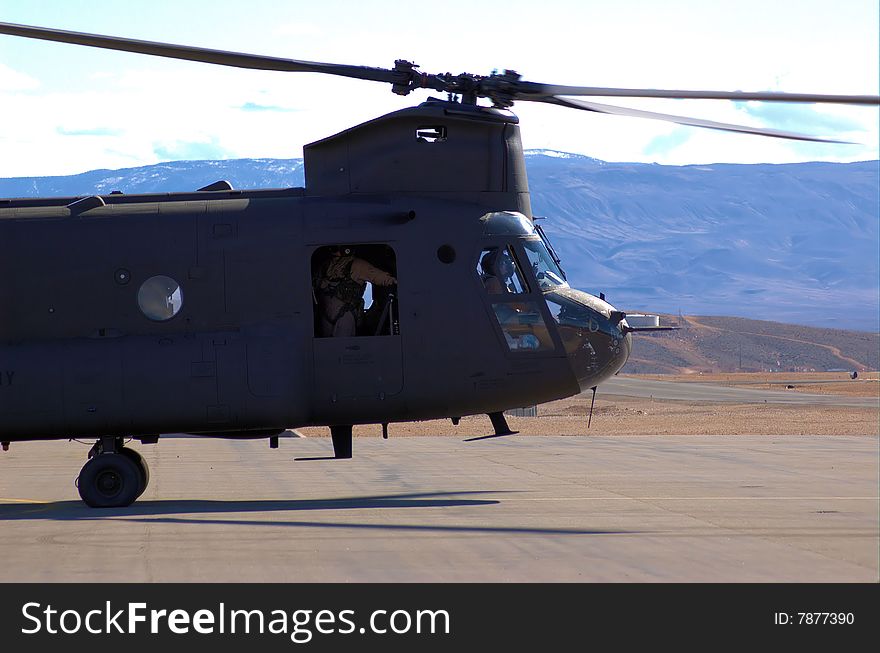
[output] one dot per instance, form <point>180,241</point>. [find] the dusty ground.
<point>633,416</point>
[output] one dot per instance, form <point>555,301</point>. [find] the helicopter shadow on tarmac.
<point>160,512</point>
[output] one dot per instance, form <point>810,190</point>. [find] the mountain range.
<point>796,243</point>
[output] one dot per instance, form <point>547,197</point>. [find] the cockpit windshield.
<point>542,257</point>
<point>544,265</point>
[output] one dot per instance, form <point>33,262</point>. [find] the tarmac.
<point>437,509</point>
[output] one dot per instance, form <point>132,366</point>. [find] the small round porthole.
<point>160,298</point>
<point>446,254</point>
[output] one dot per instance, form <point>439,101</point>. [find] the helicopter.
<point>216,312</point>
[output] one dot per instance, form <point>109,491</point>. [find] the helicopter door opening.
<point>520,319</point>
<point>355,291</point>
<point>357,346</point>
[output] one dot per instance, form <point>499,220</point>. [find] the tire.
<point>109,480</point>
<point>142,466</point>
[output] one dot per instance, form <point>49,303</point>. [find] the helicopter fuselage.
<point>233,346</point>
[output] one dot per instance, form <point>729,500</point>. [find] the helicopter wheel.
<point>110,480</point>
<point>142,466</point>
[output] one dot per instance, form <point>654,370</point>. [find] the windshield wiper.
<point>550,249</point>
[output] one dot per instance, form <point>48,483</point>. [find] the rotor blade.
<point>683,120</point>
<point>533,91</point>
<point>204,55</point>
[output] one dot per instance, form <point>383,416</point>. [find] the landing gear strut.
<point>341,435</point>
<point>499,423</point>
<point>114,476</point>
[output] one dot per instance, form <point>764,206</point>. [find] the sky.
<point>66,109</point>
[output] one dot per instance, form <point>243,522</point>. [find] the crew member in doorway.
<point>339,290</point>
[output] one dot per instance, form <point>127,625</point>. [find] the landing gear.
<point>114,476</point>
<point>341,440</point>
<point>499,423</point>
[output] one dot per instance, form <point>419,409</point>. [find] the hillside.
<point>730,344</point>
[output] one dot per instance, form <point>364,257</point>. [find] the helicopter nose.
<point>594,334</point>
<point>601,352</point>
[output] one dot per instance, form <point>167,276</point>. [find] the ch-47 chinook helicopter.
<point>133,316</point>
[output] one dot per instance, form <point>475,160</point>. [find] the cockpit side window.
<point>500,273</point>
<point>523,326</point>
<point>519,317</point>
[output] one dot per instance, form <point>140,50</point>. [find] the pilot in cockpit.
<point>497,271</point>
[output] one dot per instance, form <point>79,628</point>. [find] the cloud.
<point>12,80</point>
<point>665,143</point>
<point>799,117</point>
<point>97,131</point>
<point>191,151</point>
<point>252,106</point>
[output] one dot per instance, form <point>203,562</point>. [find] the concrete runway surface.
<point>664,390</point>
<point>423,509</point>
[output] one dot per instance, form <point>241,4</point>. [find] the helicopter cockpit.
<point>590,332</point>
<point>540,253</point>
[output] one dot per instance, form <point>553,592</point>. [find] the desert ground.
<point>619,415</point>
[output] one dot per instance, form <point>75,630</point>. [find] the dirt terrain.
<point>729,344</point>
<point>634,416</point>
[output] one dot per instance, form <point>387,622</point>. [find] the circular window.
<point>446,254</point>
<point>160,298</point>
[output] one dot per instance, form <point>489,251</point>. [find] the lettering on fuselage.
<point>6,377</point>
